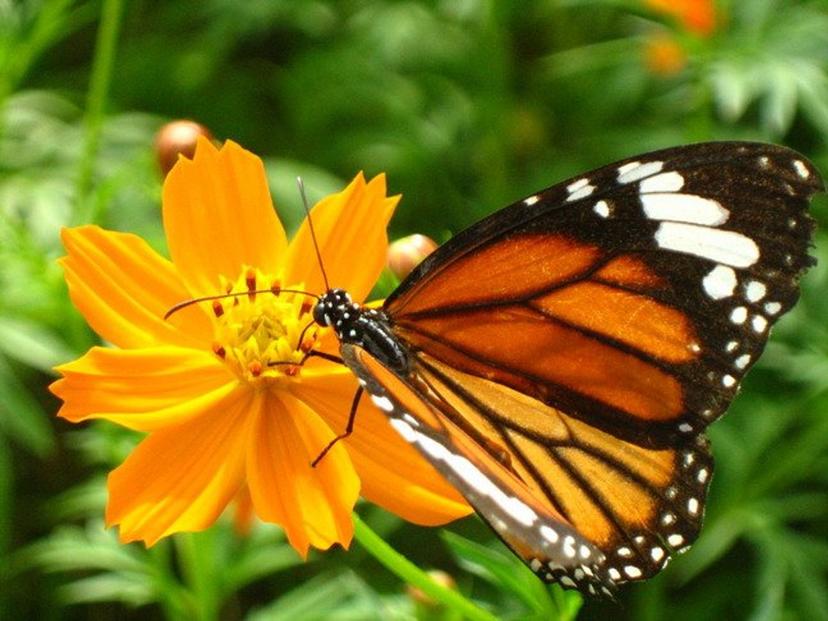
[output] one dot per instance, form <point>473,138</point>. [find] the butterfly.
<point>559,361</point>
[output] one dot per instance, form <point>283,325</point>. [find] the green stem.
<point>196,553</point>
<point>96,99</point>
<point>411,574</point>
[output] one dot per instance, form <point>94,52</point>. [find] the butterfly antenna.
<point>301,185</point>
<point>276,291</point>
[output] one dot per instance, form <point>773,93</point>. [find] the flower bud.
<point>423,600</point>
<point>177,137</point>
<point>407,252</point>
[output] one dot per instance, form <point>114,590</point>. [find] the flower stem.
<point>197,556</point>
<point>411,574</point>
<point>96,99</point>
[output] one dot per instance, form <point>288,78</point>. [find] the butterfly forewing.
<point>634,297</point>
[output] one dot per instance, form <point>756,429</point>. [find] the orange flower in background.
<point>696,16</point>
<point>222,420</point>
<point>664,55</point>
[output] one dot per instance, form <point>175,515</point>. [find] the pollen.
<point>263,336</point>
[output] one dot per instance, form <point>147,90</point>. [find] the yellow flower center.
<point>258,334</point>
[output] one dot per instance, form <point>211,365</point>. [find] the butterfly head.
<point>331,306</point>
<point>336,309</point>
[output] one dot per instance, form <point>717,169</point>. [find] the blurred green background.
<point>467,105</point>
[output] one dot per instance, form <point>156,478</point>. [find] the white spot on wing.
<point>632,571</point>
<point>549,533</point>
<point>675,540</point>
<point>755,290</point>
<point>531,200</point>
<point>567,581</point>
<point>742,361</point>
<point>569,546</point>
<point>759,323</point>
<point>579,189</point>
<point>468,473</point>
<point>614,573</point>
<point>728,381</point>
<point>633,171</point>
<point>602,209</point>
<point>683,208</point>
<point>693,506</point>
<point>727,247</point>
<point>657,553</point>
<point>720,282</point>
<point>771,308</point>
<point>404,429</point>
<point>665,182</point>
<point>801,169</point>
<point>577,185</point>
<point>383,403</point>
<point>738,315</point>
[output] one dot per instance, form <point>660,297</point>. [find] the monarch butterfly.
<point>559,361</point>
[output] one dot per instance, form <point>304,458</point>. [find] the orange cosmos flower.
<point>696,16</point>
<point>664,55</point>
<point>223,421</point>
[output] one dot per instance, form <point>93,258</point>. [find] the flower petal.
<point>219,217</point>
<point>143,389</point>
<point>123,288</point>
<point>350,227</point>
<point>393,474</point>
<point>181,478</point>
<point>312,504</point>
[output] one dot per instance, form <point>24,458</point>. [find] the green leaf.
<point>334,596</point>
<point>21,416</point>
<point>509,574</point>
<point>32,344</point>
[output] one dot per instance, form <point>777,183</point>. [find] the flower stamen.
<point>251,284</point>
<point>264,337</point>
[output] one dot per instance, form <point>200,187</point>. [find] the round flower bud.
<point>423,600</point>
<point>407,252</point>
<point>177,137</point>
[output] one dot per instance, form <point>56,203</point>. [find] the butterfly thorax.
<point>368,328</point>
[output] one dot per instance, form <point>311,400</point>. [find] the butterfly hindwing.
<point>639,505</point>
<point>527,524</point>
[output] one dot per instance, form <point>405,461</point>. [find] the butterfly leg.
<point>349,427</point>
<point>321,354</point>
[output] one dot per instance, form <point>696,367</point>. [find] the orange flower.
<point>664,55</point>
<point>696,16</point>
<point>223,421</point>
